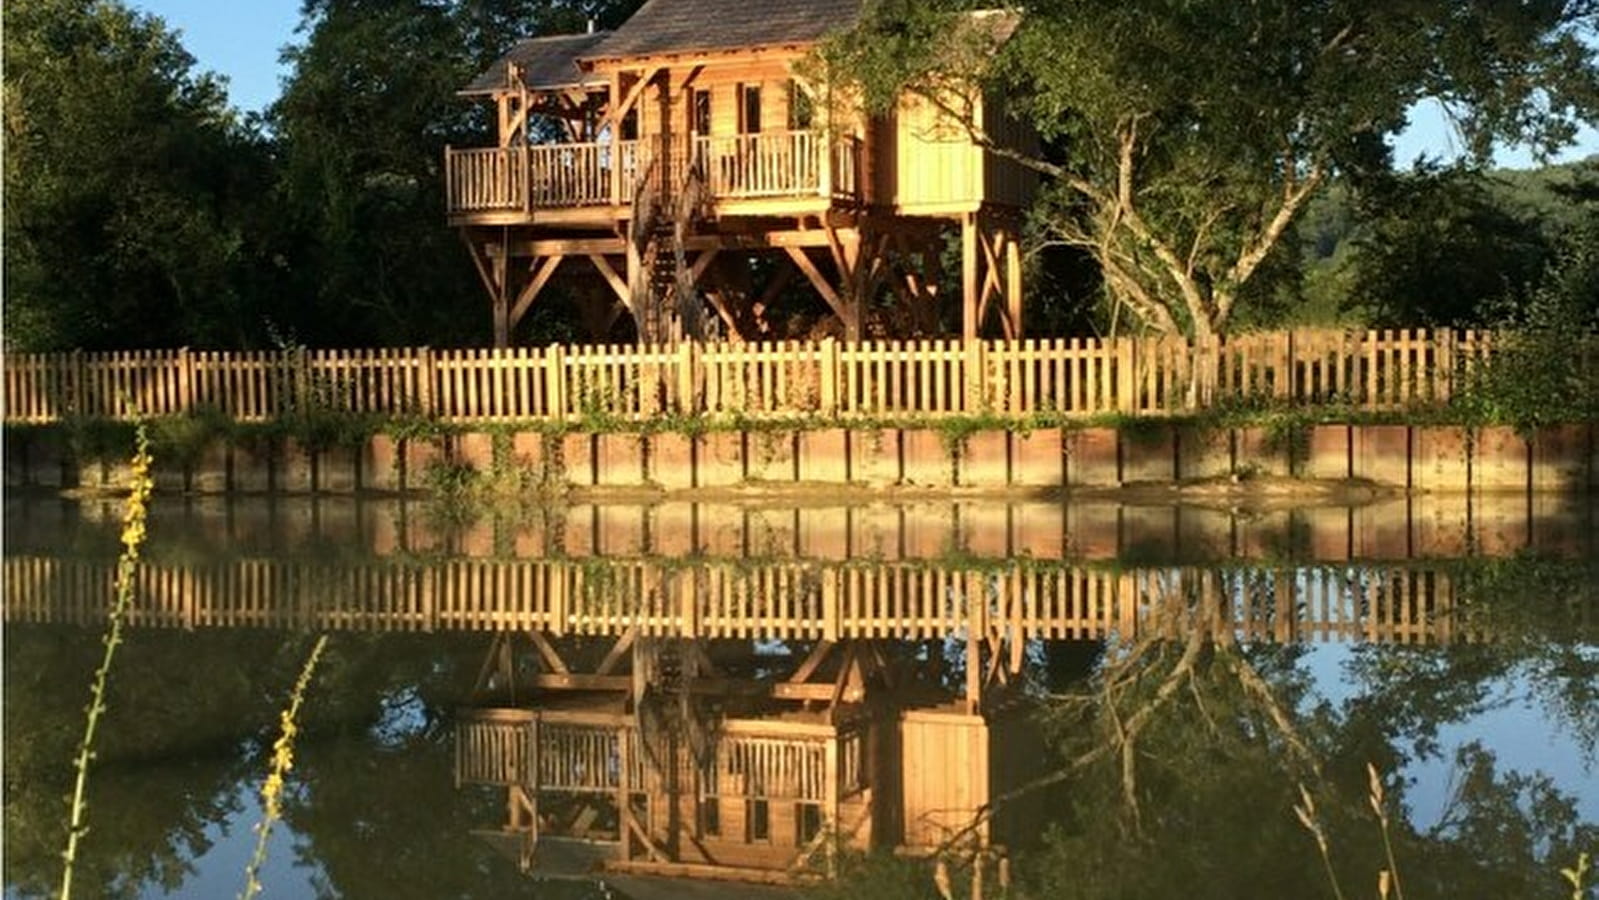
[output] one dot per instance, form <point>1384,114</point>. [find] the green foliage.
<point>1181,139</point>
<point>180,440</point>
<point>1545,367</point>
<point>129,185</point>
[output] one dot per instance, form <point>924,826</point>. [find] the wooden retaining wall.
<point>1417,458</point>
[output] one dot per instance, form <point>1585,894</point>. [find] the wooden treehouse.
<point>688,168</point>
<point>722,760</point>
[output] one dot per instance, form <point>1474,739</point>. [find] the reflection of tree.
<point>167,762</point>
<point>377,808</point>
<point>1181,759</point>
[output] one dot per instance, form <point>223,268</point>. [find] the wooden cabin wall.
<point>1005,181</point>
<point>931,164</point>
<point>723,81</point>
<point>1016,744</point>
<point>946,774</point>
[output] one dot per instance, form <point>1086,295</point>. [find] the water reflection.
<point>1070,726</point>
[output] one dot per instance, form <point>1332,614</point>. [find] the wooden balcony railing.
<point>564,176</point>
<point>757,759</point>
<point>482,180</point>
<point>774,164</point>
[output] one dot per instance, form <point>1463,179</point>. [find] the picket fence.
<point>1372,370</point>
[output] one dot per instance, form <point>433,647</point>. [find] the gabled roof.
<point>686,26</point>
<point>547,63</point>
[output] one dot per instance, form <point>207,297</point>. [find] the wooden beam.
<point>531,291</point>
<point>703,262</point>
<point>714,687</point>
<point>614,118</point>
<point>714,297</point>
<point>615,246</point>
<point>812,661</point>
<point>991,283</point>
<point>623,644</point>
<point>609,246</point>
<point>481,685</point>
<point>805,265</point>
<point>688,75</point>
<point>482,261</point>
<point>837,689</point>
<point>547,651</point>
<point>613,279</point>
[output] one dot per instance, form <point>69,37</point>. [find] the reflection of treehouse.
<point>726,768</point>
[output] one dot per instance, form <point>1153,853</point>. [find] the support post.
<point>502,301</point>
<point>970,307</point>
<point>1013,284</point>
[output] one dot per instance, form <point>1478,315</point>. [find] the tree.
<point>1184,138</point>
<point>126,182</point>
<point>362,125</point>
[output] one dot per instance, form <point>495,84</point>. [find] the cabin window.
<point>749,109</point>
<point>630,125</point>
<point>801,109</point>
<point>760,821</point>
<point>711,817</point>
<point>702,113</point>
<point>809,822</point>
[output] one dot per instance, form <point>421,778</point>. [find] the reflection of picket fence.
<point>1414,603</point>
<point>1080,376</point>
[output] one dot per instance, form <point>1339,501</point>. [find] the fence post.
<point>424,382</point>
<point>302,378</point>
<point>828,363</point>
<point>687,399</point>
<point>976,376</point>
<point>1283,386</point>
<point>80,386</point>
<point>1443,380</point>
<point>555,381</point>
<point>1126,380</point>
<point>185,381</point>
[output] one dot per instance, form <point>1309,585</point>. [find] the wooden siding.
<point>946,775</point>
<point>930,164</point>
<point>1369,370</point>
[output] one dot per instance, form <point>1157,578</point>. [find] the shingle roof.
<point>547,63</point>
<point>680,26</point>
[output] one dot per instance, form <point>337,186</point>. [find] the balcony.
<point>503,185</point>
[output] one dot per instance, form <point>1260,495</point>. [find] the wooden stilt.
<point>971,326</point>
<point>502,300</point>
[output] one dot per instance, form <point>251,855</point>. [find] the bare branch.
<point>1254,253</point>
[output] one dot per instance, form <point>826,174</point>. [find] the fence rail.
<point>1372,370</point>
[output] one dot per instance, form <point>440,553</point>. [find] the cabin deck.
<point>779,173</point>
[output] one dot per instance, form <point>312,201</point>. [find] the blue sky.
<point>242,40</point>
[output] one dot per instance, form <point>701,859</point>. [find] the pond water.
<point>1059,700</point>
